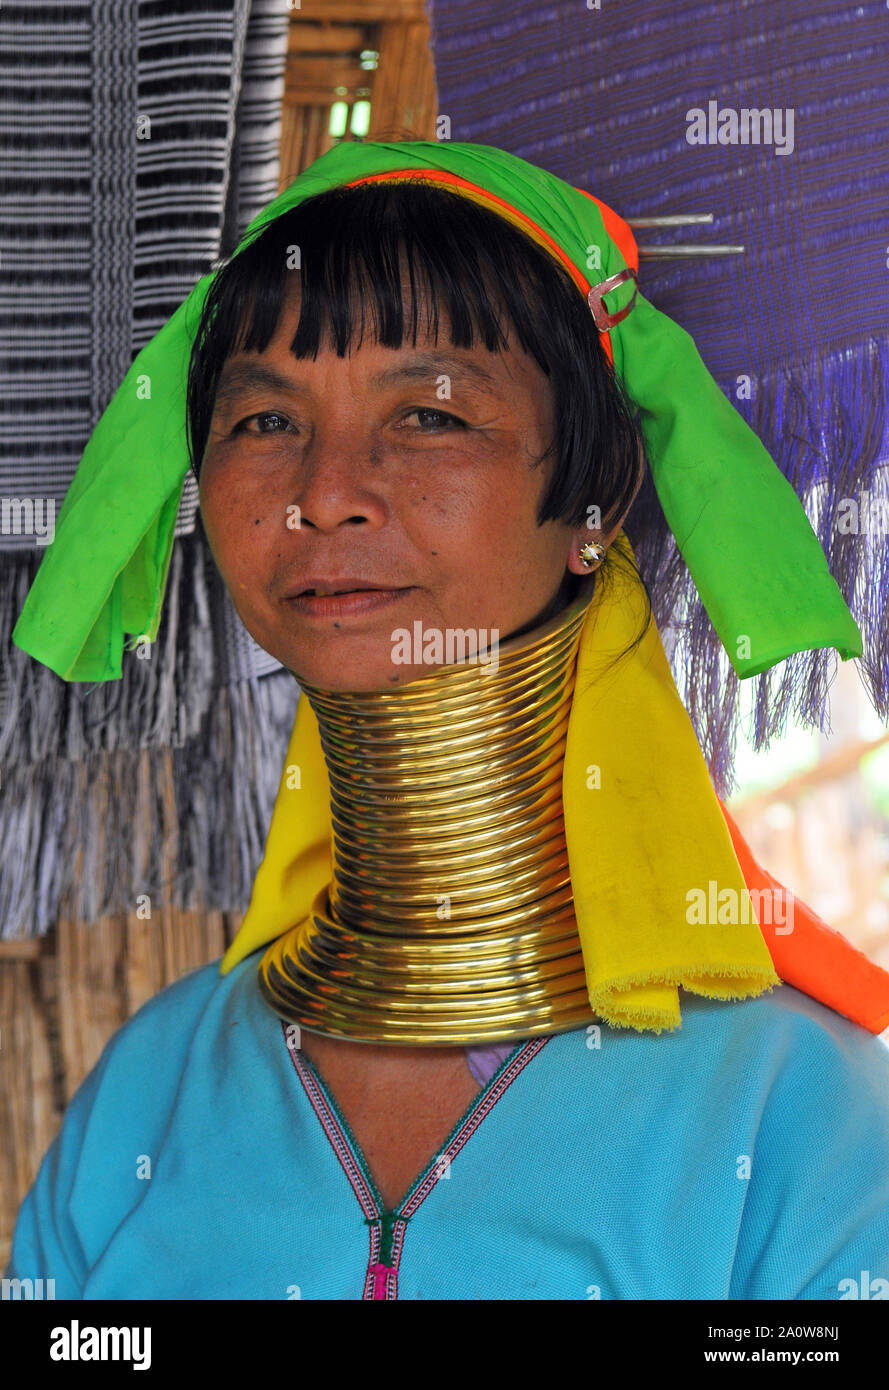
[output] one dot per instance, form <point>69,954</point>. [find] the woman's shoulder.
<point>787,1030</point>
<point>97,1167</point>
<point>167,1021</point>
<point>777,1022</point>
<point>139,1071</point>
<point>812,1062</point>
<point>785,1009</point>
<point>777,1051</point>
<point>771,1114</point>
<point>782,1024</point>
<point>813,1093</point>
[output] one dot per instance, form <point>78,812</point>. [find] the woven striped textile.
<point>137,141</point>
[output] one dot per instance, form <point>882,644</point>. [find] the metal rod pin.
<point>683,250</point>
<point>673,219</point>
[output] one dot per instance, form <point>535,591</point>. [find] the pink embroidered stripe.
<point>333,1130</point>
<point>472,1122</point>
<point>380,1276</point>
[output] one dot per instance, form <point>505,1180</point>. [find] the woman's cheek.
<point>452,485</point>
<point>234,502</point>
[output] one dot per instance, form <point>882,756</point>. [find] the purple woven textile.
<point>484,1061</point>
<point>789,152</point>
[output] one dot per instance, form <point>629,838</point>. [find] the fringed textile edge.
<point>824,421</point>
<point>129,790</point>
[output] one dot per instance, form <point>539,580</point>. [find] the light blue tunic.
<point>745,1156</point>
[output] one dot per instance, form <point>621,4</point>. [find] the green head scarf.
<point>754,558</point>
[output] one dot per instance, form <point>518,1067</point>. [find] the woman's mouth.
<point>351,604</point>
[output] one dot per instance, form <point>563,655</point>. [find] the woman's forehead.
<point>467,371</point>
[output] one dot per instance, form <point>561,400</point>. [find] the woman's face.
<point>409,470</point>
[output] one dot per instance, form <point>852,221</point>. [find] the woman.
<point>444,1057</point>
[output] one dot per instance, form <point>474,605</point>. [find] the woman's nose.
<point>338,481</point>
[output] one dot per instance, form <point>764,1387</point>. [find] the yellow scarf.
<point>647,841</point>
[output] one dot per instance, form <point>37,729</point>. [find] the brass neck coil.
<point>449,918</point>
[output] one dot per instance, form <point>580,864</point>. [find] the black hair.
<point>352,243</point>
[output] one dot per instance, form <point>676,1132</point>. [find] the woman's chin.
<point>354,672</point>
<point>379,656</point>
<point>340,682</point>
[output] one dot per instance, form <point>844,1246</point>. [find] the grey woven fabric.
<point>137,141</point>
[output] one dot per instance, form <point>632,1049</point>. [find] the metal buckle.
<point>601,317</point>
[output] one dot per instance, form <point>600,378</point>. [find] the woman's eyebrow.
<point>422,366</point>
<point>241,376</point>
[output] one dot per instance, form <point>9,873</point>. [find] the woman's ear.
<point>585,534</point>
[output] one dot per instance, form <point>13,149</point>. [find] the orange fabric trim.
<point>815,958</point>
<point>619,231</point>
<point>512,214</point>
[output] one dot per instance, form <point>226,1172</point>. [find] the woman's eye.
<point>277,426</point>
<point>440,416</point>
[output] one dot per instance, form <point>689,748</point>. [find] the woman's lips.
<point>346,605</point>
